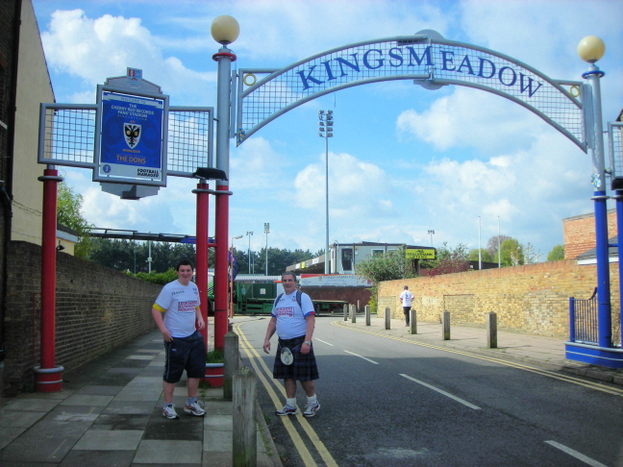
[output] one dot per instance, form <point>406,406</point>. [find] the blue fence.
<point>583,320</point>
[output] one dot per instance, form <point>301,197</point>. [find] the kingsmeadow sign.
<point>428,60</point>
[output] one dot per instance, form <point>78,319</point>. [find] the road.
<point>390,402</point>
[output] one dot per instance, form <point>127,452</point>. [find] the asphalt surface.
<point>391,397</point>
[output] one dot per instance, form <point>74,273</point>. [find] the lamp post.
<point>224,30</point>
<point>249,234</point>
<point>325,130</point>
<point>266,231</point>
<point>479,246</point>
<point>431,232</point>
<point>237,237</point>
<point>591,49</point>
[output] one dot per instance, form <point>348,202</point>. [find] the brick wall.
<point>97,309</point>
<point>579,233</point>
<point>532,299</point>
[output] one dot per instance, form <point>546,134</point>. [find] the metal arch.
<point>435,67</point>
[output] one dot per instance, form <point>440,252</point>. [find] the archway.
<point>426,58</point>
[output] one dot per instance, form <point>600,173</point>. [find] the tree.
<point>390,266</point>
<point>68,214</point>
<point>512,252</point>
<point>448,261</point>
<point>557,253</point>
<point>485,255</point>
<point>492,244</point>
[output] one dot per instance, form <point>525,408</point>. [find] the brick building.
<point>579,233</point>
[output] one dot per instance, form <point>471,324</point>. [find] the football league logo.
<point>132,134</point>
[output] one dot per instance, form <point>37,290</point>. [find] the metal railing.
<point>583,320</point>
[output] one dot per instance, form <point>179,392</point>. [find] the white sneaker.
<point>311,409</point>
<point>168,411</point>
<point>194,409</point>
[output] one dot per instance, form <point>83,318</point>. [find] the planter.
<point>214,374</point>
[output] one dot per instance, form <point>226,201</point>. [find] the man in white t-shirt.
<point>406,298</point>
<point>175,312</point>
<point>293,318</point>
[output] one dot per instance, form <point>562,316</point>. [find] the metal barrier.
<point>583,325</point>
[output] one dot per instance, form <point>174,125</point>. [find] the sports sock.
<point>312,399</point>
<point>191,400</point>
<point>291,402</point>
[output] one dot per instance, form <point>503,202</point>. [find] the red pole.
<point>201,271</point>
<point>220,269</point>
<point>49,377</point>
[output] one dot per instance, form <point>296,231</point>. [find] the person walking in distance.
<point>293,318</point>
<point>175,312</point>
<point>406,298</point>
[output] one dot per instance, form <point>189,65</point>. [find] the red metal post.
<point>201,270</point>
<point>221,275</point>
<point>49,377</point>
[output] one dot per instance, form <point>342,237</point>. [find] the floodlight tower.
<point>325,130</point>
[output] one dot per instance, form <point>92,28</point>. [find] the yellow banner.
<point>420,253</point>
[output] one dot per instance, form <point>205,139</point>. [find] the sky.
<point>404,161</point>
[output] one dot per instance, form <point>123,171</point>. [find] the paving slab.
<point>117,421</point>
<point>44,442</point>
<point>168,452</point>
<point>129,407</point>
<point>77,458</point>
<point>87,400</point>
<point>109,440</point>
<point>26,404</point>
<point>99,390</point>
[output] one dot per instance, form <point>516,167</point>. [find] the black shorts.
<point>186,353</point>
<point>304,367</point>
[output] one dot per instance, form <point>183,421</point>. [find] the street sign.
<point>132,131</point>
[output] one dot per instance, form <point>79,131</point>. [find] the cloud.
<point>355,187</point>
<point>90,48</point>
<point>470,118</point>
<point>256,165</point>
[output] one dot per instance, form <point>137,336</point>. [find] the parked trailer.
<point>257,297</point>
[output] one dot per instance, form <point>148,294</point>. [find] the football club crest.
<point>132,134</point>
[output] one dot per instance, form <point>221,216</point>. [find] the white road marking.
<point>578,455</point>
<point>324,342</point>
<point>361,356</point>
<point>441,391</point>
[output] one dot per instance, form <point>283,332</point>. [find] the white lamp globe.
<point>225,29</point>
<point>591,48</point>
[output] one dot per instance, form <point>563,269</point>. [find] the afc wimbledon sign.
<point>424,58</point>
<point>131,144</point>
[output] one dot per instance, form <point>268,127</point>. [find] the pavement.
<point>109,414</point>
<point>109,411</point>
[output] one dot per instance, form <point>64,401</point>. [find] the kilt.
<point>304,367</point>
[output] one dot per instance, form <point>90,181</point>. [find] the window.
<point>376,253</point>
<point>347,259</point>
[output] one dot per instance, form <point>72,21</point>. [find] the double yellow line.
<point>520,366</point>
<point>261,370</point>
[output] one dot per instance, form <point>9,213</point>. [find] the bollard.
<point>446,325</point>
<point>492,330</point>
<point>353,314</point>
<point>345,312</point>
<point>388,318</point>
<point>413,321</point>
<point>367,312</point>
<point>231,361</point>
<point>244,436</point>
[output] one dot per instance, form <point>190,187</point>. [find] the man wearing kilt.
<point>293,318</point>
